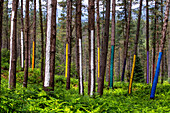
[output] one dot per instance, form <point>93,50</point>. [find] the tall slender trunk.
<point>22,37</point>
<point>92,48</point>
<point>98,39</point>
<point>79,36</point>
<point>127,40</point>
<point>34,37</point>
<point>6,30</point>
<point>42,43</point>
<point>104,50</point>
<point>50,46</point>
<point>1,15</point>
<point>89,34</point>
<point>13,49</point>
<point>112,45</point>
<point>162,45</point>
<point>26,43</point>
<point>68,40</point>
<point>154,43</point>
<point>147,41</point>
<point>136,45</point>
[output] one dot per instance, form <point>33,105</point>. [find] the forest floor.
<point>34,99</point>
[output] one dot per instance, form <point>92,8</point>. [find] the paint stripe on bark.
<point>92,64</point>
<point>22,50</point>
<point>11,38</point>
<point>47,60</point>
<point>80,64</point>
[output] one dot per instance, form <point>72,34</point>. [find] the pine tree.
<point>13,49</point>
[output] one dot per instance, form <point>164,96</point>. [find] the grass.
<point>117,100</point>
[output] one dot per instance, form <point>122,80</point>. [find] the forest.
<point>85,56</point>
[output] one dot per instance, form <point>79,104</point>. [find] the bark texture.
<point>26,43</point>
<point>13,49</point>
<point>1,15</point>
<point>69,36</point>
<point>104,50</point>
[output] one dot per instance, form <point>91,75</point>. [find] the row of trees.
<point>48,71</point>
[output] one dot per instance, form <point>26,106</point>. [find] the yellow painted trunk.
<point>33,52</point>
<point>131,77</point>
<point>66,60</point>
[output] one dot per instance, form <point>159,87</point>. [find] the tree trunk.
<point>136,45</point>
<point>161,49</point>
<point>154,43</point>
<point>50,46</point>
<point>34,38</point>
<point>22,37</point>
<point>92,48</point>
<point>79,36</point>
<point>98,39</point>
<point>68,41</point>
<point>13,49</point>
<point>127,40</point>
<point>112,45</point>
<point>147,41</point>
<point>42,43</point>
<point>1,15</point>
<point>104,50</point>
<point>7,27</point>
<point>26,43</point>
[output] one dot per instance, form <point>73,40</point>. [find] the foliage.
<point>5,56</point>
<point>138,72</point>
<point>34,99</point>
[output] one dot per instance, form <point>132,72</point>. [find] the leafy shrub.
<point>5,56</point>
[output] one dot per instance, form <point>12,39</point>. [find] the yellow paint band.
<point>33,46</point>
<point>131,77</point>
<point>98,61</point>
<point>66,60</point>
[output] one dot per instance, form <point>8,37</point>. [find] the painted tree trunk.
<point>136,45</point>
<point>161,49</point>
<point>104,50</point>
<point>112,45</point>
<point>127,40</point>
<point>1,16</point>
<point>79,36</point>
<point>13,49</point>
<point>147,41</point>
<point>26,43</point>
<point>34,38</point>
<point>69,36</point>
<point>50,46</point>
<point>42,43</point>
<point>98,39</point>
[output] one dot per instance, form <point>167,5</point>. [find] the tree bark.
<point>154,43</point>
<point>169,61</point>
<point>69,36</point>
<point>136,45</point>
<point>26,43</point>
<point>50,46</point>
<point>147,41</point>
<point>34,38</point>
<point>79,36</point>
<point>1,16</point>
<point>7,27</point>
<point>162,45</point>
<point>126,42</point>
<point>104,50</point>
<point>22,37</point>
<point>98,39</point>
<point>13,49</point>
<point>42,43</point>
<point>112,45</point>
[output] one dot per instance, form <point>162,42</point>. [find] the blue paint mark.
<point>111,67</point>
<point>156,76</point>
